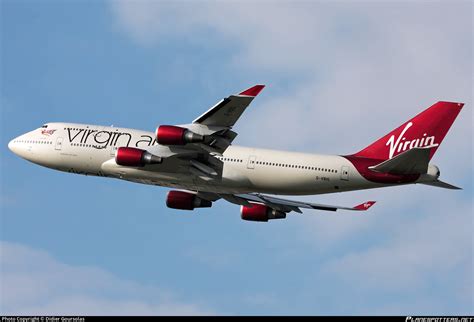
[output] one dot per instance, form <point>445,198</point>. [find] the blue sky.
<point>338,76</point>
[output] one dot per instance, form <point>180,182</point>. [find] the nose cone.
<point>17,147</point>
<point>11,145</point>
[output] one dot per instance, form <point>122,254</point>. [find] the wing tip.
<point>364,206</point>
<point>253,91</point>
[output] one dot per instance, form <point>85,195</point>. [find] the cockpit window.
<point>45,126</point>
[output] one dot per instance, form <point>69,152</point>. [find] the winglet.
<point>364,206</point>
<point>253,91</point>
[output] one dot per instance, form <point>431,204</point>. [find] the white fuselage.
<point>90,150</point>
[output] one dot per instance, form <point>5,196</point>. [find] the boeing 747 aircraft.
<point>200,160</point>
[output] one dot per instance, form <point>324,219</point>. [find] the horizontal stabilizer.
<point>441,184</point>
<point>413,161</point>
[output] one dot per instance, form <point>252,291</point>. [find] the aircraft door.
<point>251,162</point>
<point>345,173</point>
<point>113,150</point>
<point>59,144</point>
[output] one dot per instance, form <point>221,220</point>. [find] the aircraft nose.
<point>16,147</point>
<point>11,145</point>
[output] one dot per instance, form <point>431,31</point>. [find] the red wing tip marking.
<point>364,206</point>
<point>458,104</point>
<point>253,91</point>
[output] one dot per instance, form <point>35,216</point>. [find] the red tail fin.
<point>426,129</point>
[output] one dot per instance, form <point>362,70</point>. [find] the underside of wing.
<point>287,205</point>
<point>258,207</point>
<point>226,112</point>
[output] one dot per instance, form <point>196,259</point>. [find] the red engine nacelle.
<point>175,135</point>
<point>185,201</point>
<point>133,157</point>
<point>259,212</point>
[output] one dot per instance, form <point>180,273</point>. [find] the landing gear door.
<point>345,173</point>
<point>251,162</point>
<point>59,144</point>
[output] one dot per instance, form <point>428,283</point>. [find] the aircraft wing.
<point>213,128</point>
<point>216,124</point>
<point>226,112</point>
<point>280,204</point>
<point>287,205</point>
<point>208,136</point>
<point>193,148</point>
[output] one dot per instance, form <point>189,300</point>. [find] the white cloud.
<point>33,282</point>
<point>418,250</point>
<point>420,262</point>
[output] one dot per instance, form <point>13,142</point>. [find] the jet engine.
<point>133,157</point>
<point>185,201</point>
<point>259,212</point>
<point>175,135</point>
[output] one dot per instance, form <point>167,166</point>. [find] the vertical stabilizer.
<point>427,129</point>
